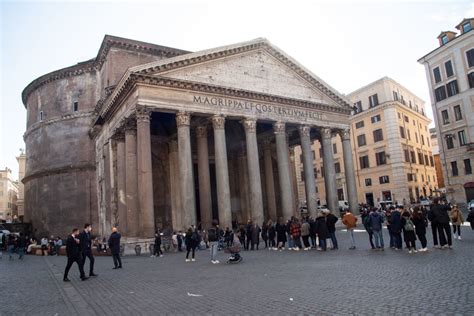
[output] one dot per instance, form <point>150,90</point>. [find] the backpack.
<point>408,225</point>
<point>212,234</point>
<point>195,237</point>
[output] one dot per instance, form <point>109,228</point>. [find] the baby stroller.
<point>234,252</point>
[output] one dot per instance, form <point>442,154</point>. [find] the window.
<point>314,154</point>
<point>420,158</point>
<point>384,179</point>
<point>440,93</point>
<point>452,88</point>
<point>437,75</point>
<point>416,137</point>
<point>467,166</point>
<point>302,175</point>
<point>431,161</point>
<point>399,116</point>
<point>470,78</point>
<point>41,116</point>
<point>368,182</point>
<point>334,148</point>
<point>402,100</point>
<point>457,112</point>
<point>462,138</point>
<point>422,140</point>
<point>426,160</point>
<point>413,156</point>
<point>378,135</point>
<point>381,158</point>
<point>337,167</point>
<point>407,155</point>
<point>361,140</point>
<point>75,106</point>
<point>321,152</point>
<point>444,39</point>
<point>402,132</point>
<point>373,100</point>
<point>449,69</point>
<point>364,162</point>
<point>395,96</point>
<point>466,27</point>
<point>358,107</point>
<point>454,168</point>
<point>445,116</point>
<point>406,119</point>
<point>411,177</point>
<point>449,142</point>
<point>360,124</point>
<point>315,172</point>
<point>375,119</point>
<point>408,134</point>
<point>470,57</point>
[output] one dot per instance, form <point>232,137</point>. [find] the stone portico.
<point>208,135</point>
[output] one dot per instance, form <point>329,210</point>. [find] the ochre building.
<point>145,136</point>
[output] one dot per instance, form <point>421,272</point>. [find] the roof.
<point>459,26</point>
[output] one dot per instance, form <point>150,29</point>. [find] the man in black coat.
<point>73,252</point>
<point>441,216</point>
<point>114,245</point>
<point>86,248</point>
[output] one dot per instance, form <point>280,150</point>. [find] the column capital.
<point>304,130</point>
<point>267,142</point>
<point>250,125</point>
<point>218,121</point>
<point>279,127</point>
<point>183,119</point>
<point>345,134</point>
<point>142,114</point>
<point>326,133</point>
<point>201,131</point>
<point>118,136</point>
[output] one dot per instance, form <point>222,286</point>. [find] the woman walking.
<point>408,232</point>
<point>457,219</point>
<point>420,222</point>
<point>191,243</point>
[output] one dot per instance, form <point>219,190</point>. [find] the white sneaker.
<point>409,251</point>
<point>459,238</point>
<point>415,251</point>
<point>290,248</point>
<point>193,260</point>
<point>297,249</point>
<point>187,260</point>
<point>217,261</point>
<point>161,255</point>
<point>152,256</point>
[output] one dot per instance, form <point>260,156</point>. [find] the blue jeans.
<point>323,244</point>
<point>21,252</point>
<point>333,240</point>
<point>353,242</point>
<point>213,246</point>
<point>11,251</point>
<point>291,244</point>
<point>378,239</point>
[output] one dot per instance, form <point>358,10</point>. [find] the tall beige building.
<point>450,74</point>
<point>21,188</point>
<point>392,150</point>
<point>8,195</point>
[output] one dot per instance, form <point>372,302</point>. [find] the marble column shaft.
<point>121,196</point>
<point>131,181</point>
<point>309,180</point>
<point>255,182</point>
<point>145,174</point>
<point>349,171</point>
<point>186,178</point>
<point>329,170</point>
<point>284,174</point>
<point>205,200</point>
<point>222,172</point>
<point>176,208</point>
<point>269,181</point>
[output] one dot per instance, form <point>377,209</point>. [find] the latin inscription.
<point>256,107</point>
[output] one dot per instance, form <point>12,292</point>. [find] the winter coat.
<point>322,228</point>
<point>420,223</point>
<point>295,230</point>
<point>265,232</point>
<point>407,234</point>
<point>456,217</point>
<point>440,213</point>
<point>470,219</point>
<point>396,222</point>
<point>255,234</point>
<point>331,221</point>
<point>271,232</point>
<point>349,220</point>
<point>376,221</point>
<point>114,243</point>
<point>281,232</point>
<point>305,229</point>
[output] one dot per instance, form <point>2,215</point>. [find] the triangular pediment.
<point>254,66</point>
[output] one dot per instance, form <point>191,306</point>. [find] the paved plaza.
<point>346,281</point>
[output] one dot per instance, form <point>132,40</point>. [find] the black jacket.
<point>420,223</point>
<point>86,242</point>
<point>114,243</point>
<point>331,220</point>
<point>73,249</point>
<point>440,213</point>
<point>322,228</point>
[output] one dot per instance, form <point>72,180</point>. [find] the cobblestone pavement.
<point>266,282</point>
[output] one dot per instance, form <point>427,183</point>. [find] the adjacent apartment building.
<point>8,196</point>
<point>392,154</point>
<point>450,74</point>
<point>21,188</point>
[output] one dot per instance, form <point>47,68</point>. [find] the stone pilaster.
<point>186,179</point>
<point>222,172</point>
<point>286,191</point>
<point>255,182</point>
<point>349,171</point>
<point>121,195</point>
<point>145,174</point>
<point>269,180</point>
<point>131,179</point>
<point>309,180</point>
<point>204,177</point>
<point>329,170</point>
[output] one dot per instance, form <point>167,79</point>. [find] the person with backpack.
<point>420,222</point>
<point>213,236</point>
<point>376,224</point>
<point>192,240</point>
<point>457,220</point>
<point>408,231</point>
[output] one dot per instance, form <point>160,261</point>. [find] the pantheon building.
<point>145,136</point>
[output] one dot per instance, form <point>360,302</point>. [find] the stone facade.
<point>8,196</point>
<point>166,138</point>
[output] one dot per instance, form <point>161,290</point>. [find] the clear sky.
<point>347,43</point>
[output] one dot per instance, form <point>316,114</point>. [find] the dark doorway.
<point>369,199</point>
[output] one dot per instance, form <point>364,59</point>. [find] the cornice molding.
<point>59,170</point>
